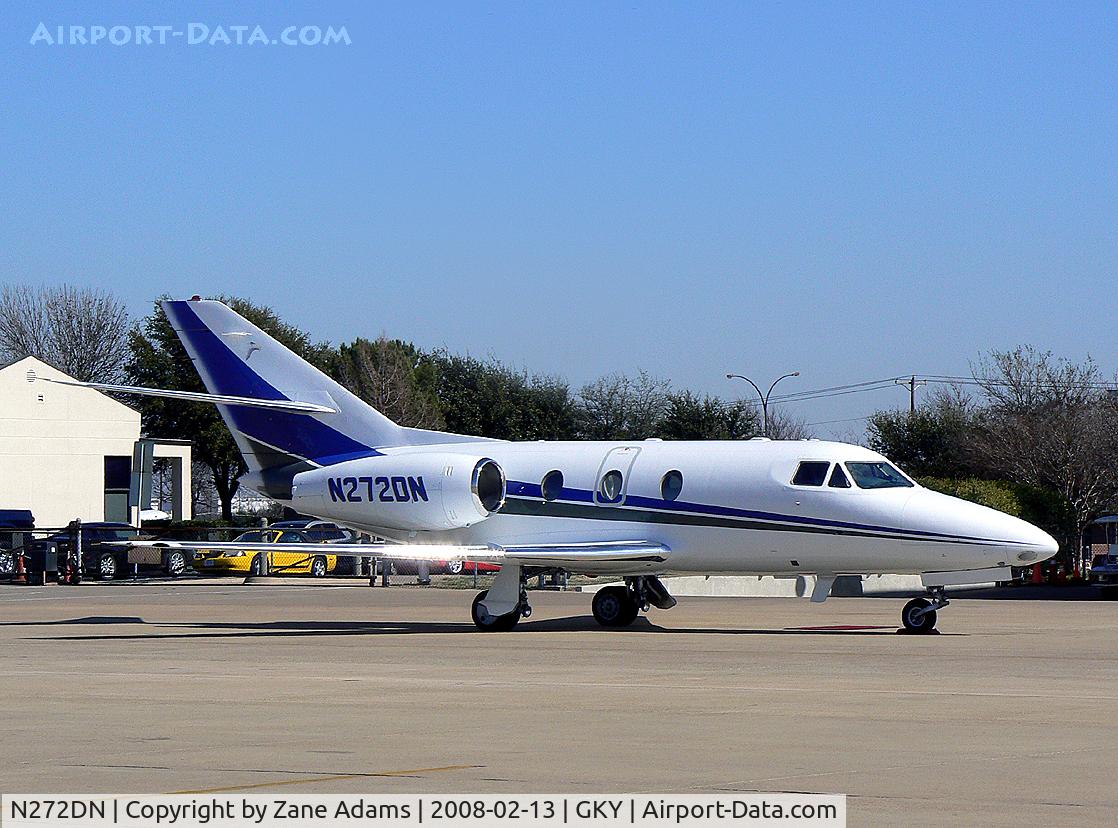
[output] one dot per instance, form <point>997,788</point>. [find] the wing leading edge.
<point>605,555</point>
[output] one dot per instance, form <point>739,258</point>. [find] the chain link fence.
<point>78,552</point>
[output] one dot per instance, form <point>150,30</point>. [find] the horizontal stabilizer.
<point>194,396</point>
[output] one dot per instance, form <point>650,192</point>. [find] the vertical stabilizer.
<point>236,358</point>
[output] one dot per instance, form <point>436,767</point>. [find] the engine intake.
<point>488,485</point>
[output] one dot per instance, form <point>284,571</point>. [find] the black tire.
<point>924,623</point>
<point>175,564</point>
<point>615,607</point>
<point>7,564</point>
<point>318,567</point>
<point>492,623</point>
<point>254,568</point>
<point>106,566</point>
<point>455,567</point>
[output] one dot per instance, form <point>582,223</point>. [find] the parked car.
<point>325,531</point>
<point>248,562</point>
<point>322,531</point>
<point>7,556</point>
<point>173,562</point>
<point>467,567</point>
<point>104,562</point>
<point>15,524</point>
<point>1104,569</point>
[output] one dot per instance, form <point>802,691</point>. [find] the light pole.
<point>764,397</point>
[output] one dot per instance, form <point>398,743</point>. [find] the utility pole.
<point>912,383</point>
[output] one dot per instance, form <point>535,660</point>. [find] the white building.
<point>68,452</point>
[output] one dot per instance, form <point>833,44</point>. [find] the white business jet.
<point>633,510</point>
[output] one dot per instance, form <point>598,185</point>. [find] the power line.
<point>845,420</point>
<point>817,392</point>
<point>953,380</point>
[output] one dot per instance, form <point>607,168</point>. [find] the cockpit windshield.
<point>877,476</point>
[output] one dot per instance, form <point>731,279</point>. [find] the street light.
<point>764,397</point>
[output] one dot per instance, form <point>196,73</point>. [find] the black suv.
<point>105,562</point>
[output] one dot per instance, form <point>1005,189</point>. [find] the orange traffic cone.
<point>21,570</point>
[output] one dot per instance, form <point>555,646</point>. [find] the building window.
<point>118,477</point>
<point>118,473</point>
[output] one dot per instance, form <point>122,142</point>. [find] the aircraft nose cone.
<point>1008,539</point>
<point>1036,544</point>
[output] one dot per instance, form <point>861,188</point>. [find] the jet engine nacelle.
<point>421,491</point>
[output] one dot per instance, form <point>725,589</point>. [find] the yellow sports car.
<point>247,562</point>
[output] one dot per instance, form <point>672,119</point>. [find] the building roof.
<point>43,369</point>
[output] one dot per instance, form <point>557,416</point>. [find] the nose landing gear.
<point>919,614</point>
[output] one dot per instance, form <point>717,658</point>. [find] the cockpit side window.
<point>839,480</point>
<point>877,476</point>
<point>811,473</point>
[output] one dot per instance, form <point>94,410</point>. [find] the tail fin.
<point>236,358</point>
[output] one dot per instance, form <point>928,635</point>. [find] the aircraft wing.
<point>583,557</point>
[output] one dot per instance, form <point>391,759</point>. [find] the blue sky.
<point>849,190</point>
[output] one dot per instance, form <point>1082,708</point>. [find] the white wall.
<point>53,441</point>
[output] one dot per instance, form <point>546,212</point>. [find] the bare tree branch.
<point>80,331</point>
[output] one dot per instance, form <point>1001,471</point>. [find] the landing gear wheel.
<point>492,623</point>
<point>914,620</point>
<point>318,567</point>
<point>614,607</point>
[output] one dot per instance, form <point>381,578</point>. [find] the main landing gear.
<point>500,608</point>
<point>919,614</point>
<point>619,606</point>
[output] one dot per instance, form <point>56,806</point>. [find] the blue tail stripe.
<point>298,434</point>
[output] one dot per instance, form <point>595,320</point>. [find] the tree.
<point>933,440</point>
<point>689,417</point>
<point>1043,507</point>
<point>487,399</point>
<point>157,359</point>
<point>393,377</point>
<point>1051,424</point>
<point>80,331</point>
<point>616,407</point>
<point>784,426</point>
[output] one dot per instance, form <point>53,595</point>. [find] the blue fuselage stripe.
<point>637,502</point>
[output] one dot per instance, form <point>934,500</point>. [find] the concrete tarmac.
<point>1009,717</point>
